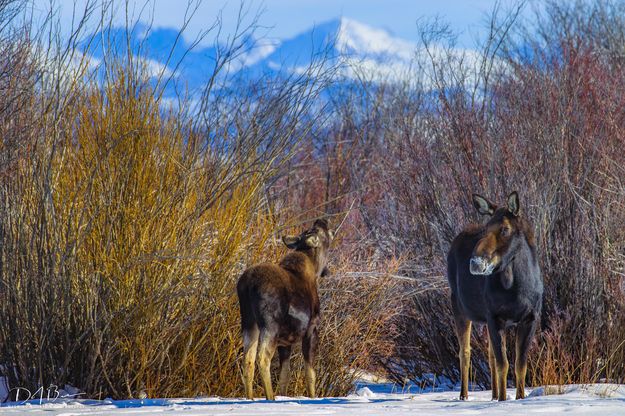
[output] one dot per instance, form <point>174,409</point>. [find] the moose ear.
<point>331,234</point>
<point>321,223</point>
<point>290,241</point>
<point>482,205</point>
<point>513,204</point>
<point>312,241</point>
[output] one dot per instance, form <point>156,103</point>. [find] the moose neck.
<point>303,262</point>
<point>317,259</point>
<point>518,266</point>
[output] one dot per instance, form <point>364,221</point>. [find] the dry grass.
<point>124,227</point>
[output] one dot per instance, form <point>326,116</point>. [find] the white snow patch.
<point>365,392</point>
<point>607,390</point>
<point>576,400</point>
<point>356,37</point>
<point>374,54</point>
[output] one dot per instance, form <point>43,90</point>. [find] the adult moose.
<point>280,306</point>
<point>495,279</point>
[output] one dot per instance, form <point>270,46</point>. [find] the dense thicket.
<point>539,110</point>
<point>125,221</point>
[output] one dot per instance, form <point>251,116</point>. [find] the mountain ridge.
<point>356,45</point>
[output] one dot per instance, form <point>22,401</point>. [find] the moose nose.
<point>478,265</point>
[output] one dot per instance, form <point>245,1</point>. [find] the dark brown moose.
<point>495,279</point>
<point>280,306</point>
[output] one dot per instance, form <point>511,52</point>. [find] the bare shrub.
<point>542,116</point>
<point>124,224</point>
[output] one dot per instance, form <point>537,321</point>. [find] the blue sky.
<point>286,18</point>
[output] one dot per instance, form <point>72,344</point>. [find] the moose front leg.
<point>497,338</point>
<point>493,370</point>
<point>524,334</point>
<point>463,332</point>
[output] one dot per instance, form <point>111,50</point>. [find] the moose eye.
<point>505,231</point>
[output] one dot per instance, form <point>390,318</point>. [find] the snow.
<point>364,52</point>
<point>599,399</point>
<point>365,392</point>
<point>361,39</point>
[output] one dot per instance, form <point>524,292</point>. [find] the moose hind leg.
<point>309,349</point>
<point>524,334</point>
<point>497,338</point>
<point>266,349</point>
<point>250,347</point>
<point>284,353</point>
<point>463,332</point>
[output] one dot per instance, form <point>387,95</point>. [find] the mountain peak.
<point>351,36</point>
<point>355,45</point>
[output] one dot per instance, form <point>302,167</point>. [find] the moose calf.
<point>495,279</point>
<point>280,306</point>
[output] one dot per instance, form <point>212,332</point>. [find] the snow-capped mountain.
<point>359,47</point>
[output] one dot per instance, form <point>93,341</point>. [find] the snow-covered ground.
<point>603,399</point>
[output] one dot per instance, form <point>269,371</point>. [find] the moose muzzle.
<point>480,266</point>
